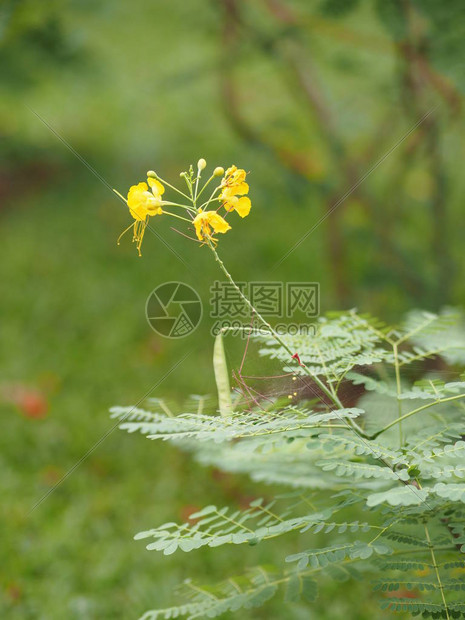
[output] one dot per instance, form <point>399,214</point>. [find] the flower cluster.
<point>145,200</point>
<point>233,185</point>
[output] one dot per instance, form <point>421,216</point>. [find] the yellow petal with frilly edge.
<point>204,222</point>
<point>156,187</point>
<point>243,206</point>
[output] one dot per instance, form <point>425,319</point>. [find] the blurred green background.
<point>321,100</point>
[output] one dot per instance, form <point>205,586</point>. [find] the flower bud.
<point>201,164</point>
<point>151,174</point>
<point>218,172</point>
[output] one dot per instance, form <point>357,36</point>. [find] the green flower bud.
<point>151,174</point>
<point>201,164</point>
<point>218,172</point>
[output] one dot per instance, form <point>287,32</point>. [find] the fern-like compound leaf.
<point>243,592</point>
<point>288,423</point>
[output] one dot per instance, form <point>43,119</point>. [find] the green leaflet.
<point>288,422</point>
<point>342,342</point>
<point>427,610</point>
<point>454,492</point>
<point>301,587</point>
<point>214,527</point>
<point>407,495</point>
<point>243,592</point>
<point>363,470</point>
<point>338,553</point>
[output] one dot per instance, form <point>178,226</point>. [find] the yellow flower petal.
<point>134,193</point>
<point>154,209</point>
<point>204,222</point>
<point>227,193</point>
<point>219,224</point>
<point>230,171</point>
<point>156,187</point>
<point>136,207</point>
<point>142,203</point>
<point>243,206</point>
<point>242,188</point>
<point>234,185</point>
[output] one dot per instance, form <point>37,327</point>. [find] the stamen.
<point>125,231</point>
<point>118,194</point>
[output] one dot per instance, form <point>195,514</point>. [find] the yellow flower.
<point>142,204</point>
<point>242,205</point>
<point>234,185</point>
<point>235,177</point>
<point>205,221</point>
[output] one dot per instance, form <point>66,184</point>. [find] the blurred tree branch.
<point>303,81</point>
<point>418,79</point>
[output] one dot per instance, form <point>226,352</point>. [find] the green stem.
<point>398,387</point>
<point>312,571</point>
<point>172,187</point>
<point>211,199</point>
<point>436,570</point>
<point>196,187</point>
<point>176,204</point>
<point>414,411</point>
<point>178,217</point>
<point>384,529</point>
<point>333,397</point>
<point>422,550</point>
<point>206,184</point>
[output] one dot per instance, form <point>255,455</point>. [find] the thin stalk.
<point>206,184</point>
<point>189,187</point>
<point>422,550</point>
<point>205,204</point>
<point>436,570</point>
<point>172,187</point>
<point>312,571</point>
<point>414,411</point>
<point>326,370</point>
<point>383,529</point>
<point>333,397</point>
<point>398,388</point>
<point>178,217</point>
<point>176,204</point>
<point>196,186</point>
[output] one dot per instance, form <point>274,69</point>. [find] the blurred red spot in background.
<point>31,402</point>
<point>13,591</point>
<point>187,510</point>
<point>403,594</point>
<point>51,475</point>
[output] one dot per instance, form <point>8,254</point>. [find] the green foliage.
<point>366,487</point>
<point>289,422</point>
<point>246,591</point>
<point>30,34</point>
<point>341,343</point>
